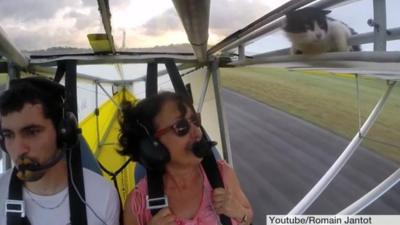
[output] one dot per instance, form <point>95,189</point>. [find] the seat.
<point>88,159</point>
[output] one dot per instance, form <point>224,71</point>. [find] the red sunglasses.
<point>180,127</point>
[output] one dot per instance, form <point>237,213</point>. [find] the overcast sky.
<point>38,24</point>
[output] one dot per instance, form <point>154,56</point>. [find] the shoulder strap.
<point>15,207</point>
<point>210,167</point>
<point>156,200</point>
<point>76,185</point>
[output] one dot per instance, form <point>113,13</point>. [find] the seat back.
<point>88,159</point>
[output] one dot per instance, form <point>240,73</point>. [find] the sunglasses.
<point>180,127</point>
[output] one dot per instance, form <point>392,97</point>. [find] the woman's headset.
<point>153,154</point>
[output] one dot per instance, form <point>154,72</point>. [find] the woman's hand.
<point>163,217</point>
<point>225,203</point>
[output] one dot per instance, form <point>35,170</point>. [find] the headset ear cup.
<point>153,154</point>
<point>67,131</point>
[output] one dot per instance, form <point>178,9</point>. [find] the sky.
<point>38,24</point>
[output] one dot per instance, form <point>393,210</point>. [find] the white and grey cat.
<point>312,32</point>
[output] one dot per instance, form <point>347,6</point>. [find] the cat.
<point>312,32</point>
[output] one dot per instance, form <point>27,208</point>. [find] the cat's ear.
<point>290,13</point>
<point>326,12</point>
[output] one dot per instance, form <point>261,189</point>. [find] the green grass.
<point>3,78</point>
<point>325,99</point>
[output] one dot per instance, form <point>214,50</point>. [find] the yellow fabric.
<point>107,134</point>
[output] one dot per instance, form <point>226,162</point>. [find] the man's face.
<point>27,132</point>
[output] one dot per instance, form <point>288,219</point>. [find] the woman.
<point>171,120</point>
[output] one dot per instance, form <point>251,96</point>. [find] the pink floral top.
<point>205,214</point>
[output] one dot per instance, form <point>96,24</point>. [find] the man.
<point>31,112</point>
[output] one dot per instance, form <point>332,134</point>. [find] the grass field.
<point>325,99</point>
<point>3,78</point>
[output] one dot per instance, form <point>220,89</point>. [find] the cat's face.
<point>307,25</point>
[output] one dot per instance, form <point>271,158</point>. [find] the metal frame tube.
<point>195,15</point>
<point>121,57</point>
<point>391,34</point>
<point>105,13</point>
<point>383,57</point>
<point>120,71</point>
<point>242,52</point>
<point>13,72</point>
<point>108,95</point>
<point>314,193</point>
<point>11,52</point>
<point>371,196</point>
<point>97,113</point>
<point>226,145</point>
<point>204,91</point>
<point>380,25</point>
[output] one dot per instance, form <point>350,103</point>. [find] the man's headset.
<point>67,129</point>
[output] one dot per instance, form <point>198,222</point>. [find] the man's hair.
<point>34,90</point>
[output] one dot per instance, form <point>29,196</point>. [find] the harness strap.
<point>76,185</point>
<point>151,79</point>
<point>176,78</point>
<point>156,199</point>
<point>14,206</point>
<point>210,167</point>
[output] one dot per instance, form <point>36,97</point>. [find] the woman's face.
<point>178,145</point>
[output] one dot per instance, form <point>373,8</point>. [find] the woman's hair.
<point>136,120</point>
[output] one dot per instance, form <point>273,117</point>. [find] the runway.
<point>279,158</point>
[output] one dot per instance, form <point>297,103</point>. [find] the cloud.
<point>166,22</point>
<point>226,16</point>
<point>31,39</point>
<point>85,20</point>
<point>32,10</point>
<point>50,25</point>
